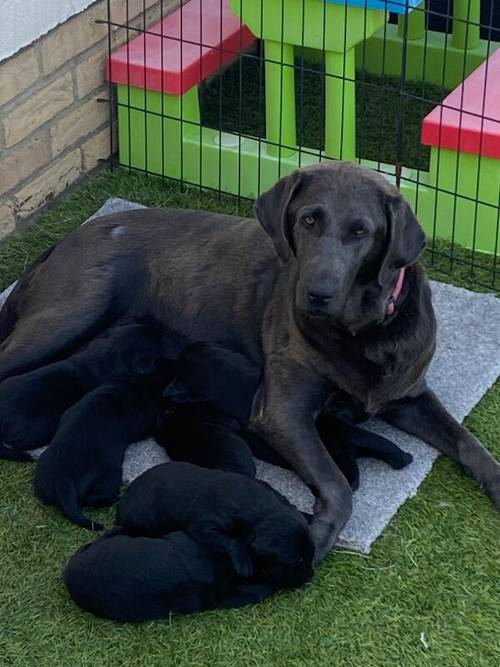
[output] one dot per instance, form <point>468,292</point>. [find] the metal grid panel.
<point>339,79</point>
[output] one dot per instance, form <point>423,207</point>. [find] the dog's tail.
<point>10,454</point>
<point>67,499</point>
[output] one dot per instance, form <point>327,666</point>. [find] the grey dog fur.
<point>245,245</point>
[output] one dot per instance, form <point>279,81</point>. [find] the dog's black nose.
<point>318,300</point>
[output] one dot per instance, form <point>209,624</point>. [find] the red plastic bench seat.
<point>472,124</point>
<point>198,38</point>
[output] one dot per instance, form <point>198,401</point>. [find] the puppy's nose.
<point>318,300</point>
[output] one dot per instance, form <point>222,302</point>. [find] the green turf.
<point>435,570</point>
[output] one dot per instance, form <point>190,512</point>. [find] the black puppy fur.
<point>264,536</point>
<point>201,435</point>
<point>83,464</point>
<point>212,394</point>
<point>141,578</point>
<point>213,391</point>
<point>345,443</point>
<point>32,404</point>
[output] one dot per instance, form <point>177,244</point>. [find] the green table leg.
<point>416,23</point>
<point>465,32</point>
<point>340,105</point>
<point>144,117</point>
<point>280,98</point>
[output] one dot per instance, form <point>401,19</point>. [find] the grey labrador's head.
<point>349,232</point>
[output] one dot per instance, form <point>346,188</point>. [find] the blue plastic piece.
<point>396,6</point>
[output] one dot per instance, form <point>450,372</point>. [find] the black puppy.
<point>264,536</point>
<point>345,442</point>
<point>141,578</point>
<point>83,464</point>
<point>213,391</point>
<point>212,395</point>
<point>32,404</point>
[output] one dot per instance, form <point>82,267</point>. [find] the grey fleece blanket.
<point>466,364</point>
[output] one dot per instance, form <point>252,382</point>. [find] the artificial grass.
<point>435,570</point>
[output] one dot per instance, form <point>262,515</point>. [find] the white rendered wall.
<point>23,21</point>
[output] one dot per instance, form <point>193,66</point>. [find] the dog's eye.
<point>359,232</point>
<point>310,220</point>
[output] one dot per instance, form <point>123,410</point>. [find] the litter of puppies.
<point>199,532</point>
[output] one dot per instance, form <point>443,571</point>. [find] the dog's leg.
<point>425,417</point>
<point>40,338</point>
<point>284,413</point>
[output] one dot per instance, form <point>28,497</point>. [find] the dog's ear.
<point>405,240</point>
<point>271,210</point>
<point>143,363</point>
<point>177,392</point>
<point>229,538</point>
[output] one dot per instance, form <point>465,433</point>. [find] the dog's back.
<point>236,515</point>
<point>198,434</point>
<point>212,395</point>
<point>139,579</point>
<point>82,453</point>
<point>212,374</point>
<point>130,347</point>
<point>84,461</point>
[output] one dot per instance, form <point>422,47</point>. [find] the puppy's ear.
<point>231,540</point>
<point>177,392</point>
<point>405,240</point>
<point>271,210</point>
<point>143,363</point>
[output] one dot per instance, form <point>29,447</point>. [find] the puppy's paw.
<point>402,460</point>
<point>242,564</point>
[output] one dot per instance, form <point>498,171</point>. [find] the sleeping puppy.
<point>345,442</point>
<point>141,578</point>
<point>83,464</point>
<point>200,434</point>
<point>212,394</point>
<point>32,404</point>
<point>264,536</point>
<point>211,397</point>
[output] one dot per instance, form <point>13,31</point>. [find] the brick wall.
<point>52,129</point>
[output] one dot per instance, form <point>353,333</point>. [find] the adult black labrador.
<point>326,294</point>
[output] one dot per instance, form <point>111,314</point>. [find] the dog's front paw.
<point>323,534</point>
<point>493,489</point>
